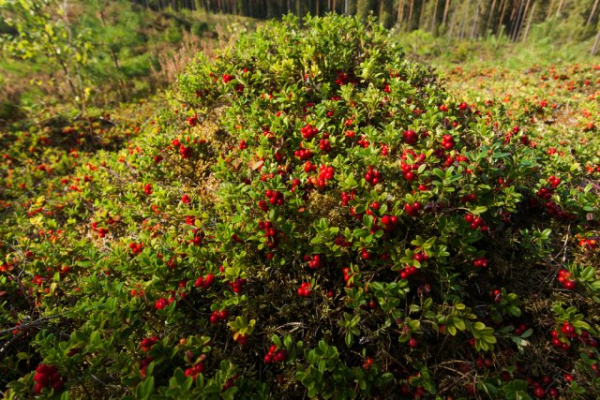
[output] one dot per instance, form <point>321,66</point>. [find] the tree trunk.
<point>559,9</point>
<point>400,17</point>
<point>464,20</point>
<point>476,19</point>
<point>410,13</point>
<point>531,15</point>
<point>422,13</point>
<point>592,13</point>
<point>487,24</point>
<point>446,12</point>
<point>434,20</point>
<point>514,19</point>
<point>596,43</point>
<point>501,22</point>
<point>520,19</point>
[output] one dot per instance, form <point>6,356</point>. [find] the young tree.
<point>45,36</point>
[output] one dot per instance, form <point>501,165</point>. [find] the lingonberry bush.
<point>311,215</point>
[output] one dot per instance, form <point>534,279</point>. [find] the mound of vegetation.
<point>311,216</point>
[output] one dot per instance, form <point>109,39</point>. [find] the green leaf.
<point>144,389</point>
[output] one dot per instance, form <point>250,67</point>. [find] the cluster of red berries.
<point>412,209</point>
<point>373,176</point>
<point>545,193</point>
<point>136,248</point>
<point>185,199</point>
<point>410,137</point>
<point>305,289</point>
<point>144,365</point>
<point>162,302</point>
<point>198,236</point>
<point>469,198</point>
<point>363,142</point>
<point>568,332</point>
<point>407,272</point>
<point>367,364</point>
<point>476,223</point>
<point>326,173</point>
<point>409,170</point>
<point>193,120</point>
<point>185,152</point>
<point>554,209</point>
<point>314,262</point>
<point>589,243</point>
<point>238,285</point>
<point>243,145</point>
<point>275,356</point>
<point>148,189</point>
<point>538,388</point>
<point>448,142</point>
<point>275,197</point>
<point>554,181</point>
<point>218,316</point>
<point>303,154</point>
<point>195,370</point>
<point>204,282</point>
<point>324,145</point>
<point>309,167</point>
<point>47,376</point>
<point>227,78</point>
<point>308,131</point>
<point>342,78</point>
<point>421,257</point>
<point>563,278</point>
<point>100,231</point>
<point>270,233</point>
<point>347,197</point>
<point>389,222</point>
<point>519,330</point>
<point>480,262</point>
<point>342,242</point>
<point>147,343</point>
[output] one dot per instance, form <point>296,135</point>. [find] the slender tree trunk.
<point>560,6</point>
<point>422,14</point>
<point>400,13</point>
<point>550,8</point>
<point>596,43</point>
<point>476,19</point>
<point>434,20</point>
<point>520,20</point>
<point>410,13</point>
<point>514,18</point>
<point>464,20</point>
<point>531,15</point>
<point>487,24</point>
<point>501,22</point>
<point>446,8</point>
<point>592,13</point>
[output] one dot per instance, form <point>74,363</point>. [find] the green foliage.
<point>309,214</point>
